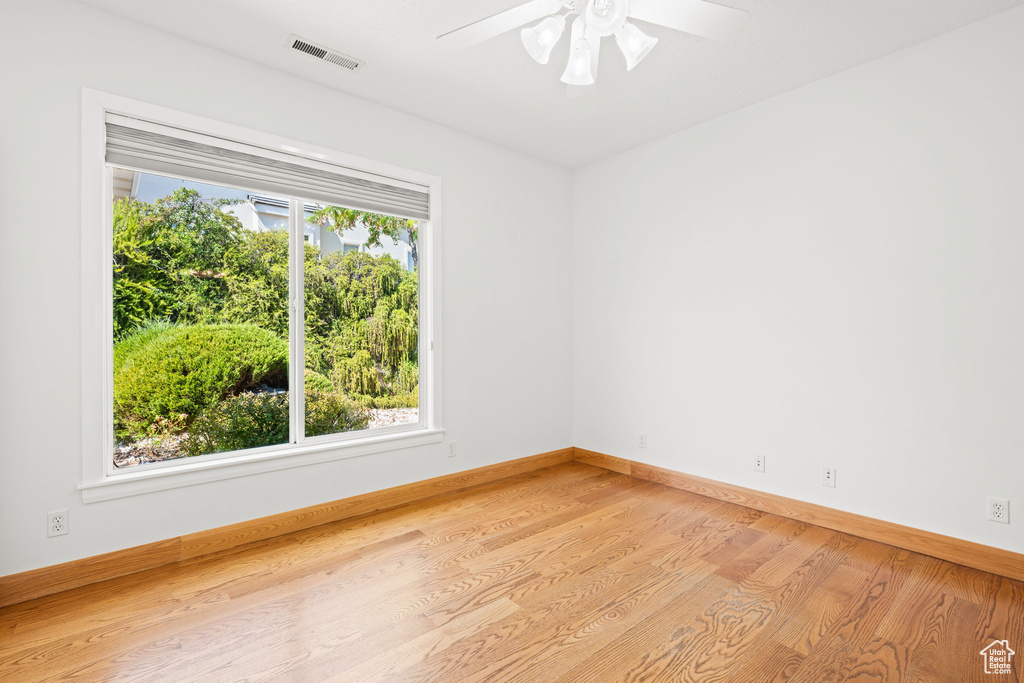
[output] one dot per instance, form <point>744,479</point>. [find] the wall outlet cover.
<point>828,477</point>
<point>57,523</point>
<point>999,510</point>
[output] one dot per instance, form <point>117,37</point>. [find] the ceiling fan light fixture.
<point>539,40</point>
<point>634,43</point>
<point>578,71</point>
<point>597,19</point>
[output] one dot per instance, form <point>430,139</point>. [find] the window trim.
<point>100,481</point>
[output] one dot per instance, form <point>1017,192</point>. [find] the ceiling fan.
<point>597,19</point>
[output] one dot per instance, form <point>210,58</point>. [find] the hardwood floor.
<point>572,573</point>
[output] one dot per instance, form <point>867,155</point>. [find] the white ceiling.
<point>495,91</point>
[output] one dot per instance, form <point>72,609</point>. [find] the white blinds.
<point>148,146</point>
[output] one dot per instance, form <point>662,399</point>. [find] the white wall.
<point>832,277</point>
<point>506,337</point>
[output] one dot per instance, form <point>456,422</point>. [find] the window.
<point>261,302</point>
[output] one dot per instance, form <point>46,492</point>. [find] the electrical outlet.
<point>759,463</point>
<point>451,449</point>
<point>828,477</point>
<point>999,510</point>
<point>57,523</point>
<point>642,442</point>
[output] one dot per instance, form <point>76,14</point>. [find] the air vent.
<point>324,53</point>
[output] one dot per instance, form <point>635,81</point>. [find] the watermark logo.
<point>998,657</point>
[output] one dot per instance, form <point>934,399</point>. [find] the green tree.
<point>256,276</point>
<point>168,259</point>
<point>338,220</point>
<point>361,323</point>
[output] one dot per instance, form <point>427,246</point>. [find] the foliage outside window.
<point>202,286</point>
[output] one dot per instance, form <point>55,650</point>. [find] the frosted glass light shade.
<point>634,43</point>
<point>539,40</point>
<point>578,71</point>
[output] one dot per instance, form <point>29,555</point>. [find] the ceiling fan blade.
<point>499,23</point>
<point>706,19</point>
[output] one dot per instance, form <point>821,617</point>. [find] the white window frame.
<point>100,480</point>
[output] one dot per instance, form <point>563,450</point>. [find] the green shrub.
<point>357,375</point>
<point>392,335</point>
<point>363,380</point>
<point>406,400</point>
<point>316,382</point>
<point>174,373</point>
<point>138,339</point>
<point>332,413</point>
<point>238,422</point>
<point>254,420</point>
<point>345,341</point>
<point>406,379</point>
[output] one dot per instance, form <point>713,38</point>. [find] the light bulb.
<point>634,43</point>
<point>605,17</point>
<point>578,70</point>
<point>541,39</point>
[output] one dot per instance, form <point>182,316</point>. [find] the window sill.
<point>126,484</point>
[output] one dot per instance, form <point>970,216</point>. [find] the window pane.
<point>362,321</point>
<point>200,304</point>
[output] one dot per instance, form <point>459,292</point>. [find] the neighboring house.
<point>259,212</point>
<point>271,213</point>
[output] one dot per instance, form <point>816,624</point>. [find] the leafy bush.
<point>254,420</point>
<point>357,375</point>
<point>237,422</point>
<point>169,259</point>
<point>332,413</point>
<point>392,336</point>
<point>133,343</point>
<point>314,381</point>
<point>406,400</point>
<point>175,372</point>
<point>406,378</point>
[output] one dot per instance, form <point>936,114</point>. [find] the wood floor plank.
<point>573,573</point>
<point>947,652</point>
<point>772,663</point>
<point>637,654</point>
<point>835,654</point>
<point>1004,620</point>
<point>810,621</point>
<point>729,631</point>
